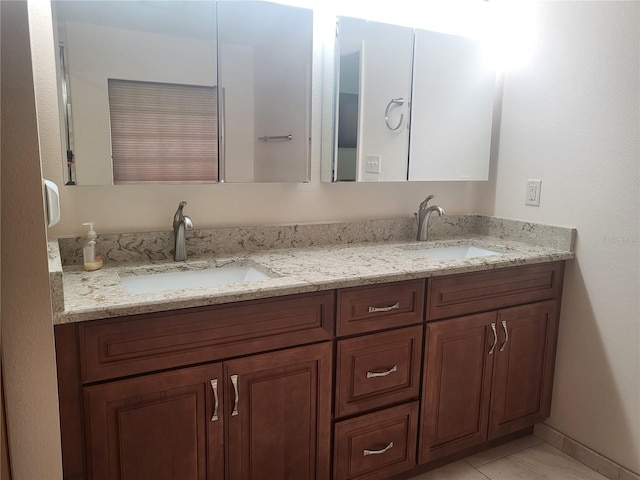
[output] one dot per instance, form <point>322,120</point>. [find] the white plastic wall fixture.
<point>52,196</point>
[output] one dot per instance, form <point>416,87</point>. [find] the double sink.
<point>186,276</point>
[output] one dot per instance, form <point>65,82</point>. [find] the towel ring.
<point>394,101</point>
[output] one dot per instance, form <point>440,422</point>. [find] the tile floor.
<point>528,458</point>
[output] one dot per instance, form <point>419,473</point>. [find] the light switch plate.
<point>533,193</point>
<point>373,163</point>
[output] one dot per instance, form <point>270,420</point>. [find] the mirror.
<point>452,109</point>
<point>168,45</point>
<point>373,61</point>
<point>264,62</point>
<point>410,105</point>
<point>164,91</point>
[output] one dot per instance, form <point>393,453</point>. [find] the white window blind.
<point>163,133</point>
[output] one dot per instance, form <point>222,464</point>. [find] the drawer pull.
<point>382,374</point>
<point>384,309</point>
<point>495,338</point>
<point>506,335</point>
<point>378,452</point>
<point>234,382</point>
<point>214,387</point>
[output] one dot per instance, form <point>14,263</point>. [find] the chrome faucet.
<point>423,215</point>
<point>180,224</point>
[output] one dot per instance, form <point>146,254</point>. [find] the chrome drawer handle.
<point>378,452</point>
<point>234,382</point>
<point>506,335</point>
<point>495,338</point>
<point>214,387</point>
<point>384,309</point>
<point>382,374</point>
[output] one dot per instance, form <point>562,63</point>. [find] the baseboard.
<point>583,454</point>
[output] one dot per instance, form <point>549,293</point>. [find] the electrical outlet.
<point>533,193</point>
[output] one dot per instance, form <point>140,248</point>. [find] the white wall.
<point>571,118</point>
<point>28,358</point>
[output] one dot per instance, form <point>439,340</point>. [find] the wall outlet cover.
<point>533,193</point>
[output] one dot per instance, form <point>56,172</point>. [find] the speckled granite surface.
<point>298,259</point>
<point>158,246</point>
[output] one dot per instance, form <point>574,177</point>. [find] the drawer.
<point>477,292</point>
<point>366,309</point>
<point>144,343</point>
<point>378,445</point>
<point>377,370</point>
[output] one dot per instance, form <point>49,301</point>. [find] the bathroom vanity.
<point>368,360</point>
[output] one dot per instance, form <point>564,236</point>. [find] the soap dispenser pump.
<point>91,256</point>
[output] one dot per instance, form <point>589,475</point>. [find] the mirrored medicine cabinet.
<point>410,104</point>
<point>165,91</point>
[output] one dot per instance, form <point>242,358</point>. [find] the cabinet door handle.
<point>234,382</point>
<point>495,338</point>
<point>506,335</point>
<point>384,309</point>
<point>382,374</point>
<point>214,387</point>
<point>378,452</point>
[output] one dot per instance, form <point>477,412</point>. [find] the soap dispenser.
<point>92,258</point>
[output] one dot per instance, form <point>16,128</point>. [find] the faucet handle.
<point>178,214</point>
<point>424,203</point>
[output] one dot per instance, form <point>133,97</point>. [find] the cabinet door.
<point>373,101</point>
<point>457,384</point>
<point>451,110</point>
<point>265,56</point>
<point>278,411</point>
<point>159,426</point>
<point>523,375</point>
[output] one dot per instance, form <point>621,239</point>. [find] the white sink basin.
<point>184,279</point>
<point>454,252</point>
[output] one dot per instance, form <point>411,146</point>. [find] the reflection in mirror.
<point>140,101</point>
<point>264,60</point>
<point>140,75</point>
<point>452,109</point>
<point>374,92</point>
<point>347,126</point>
<point>388,75</point>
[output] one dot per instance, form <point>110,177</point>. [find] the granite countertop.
<point>313,266</point>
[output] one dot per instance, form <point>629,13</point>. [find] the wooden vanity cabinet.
<point>243,416</point>
<point>488,374</point>
<point>244,391</point>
